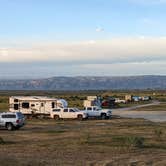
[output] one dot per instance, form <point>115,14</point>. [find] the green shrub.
<point>158,133</point>
<point>130,141</point>
<point>85,139</point>
<point>1,140</point>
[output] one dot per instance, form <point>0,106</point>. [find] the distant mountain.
<point>86,83</point>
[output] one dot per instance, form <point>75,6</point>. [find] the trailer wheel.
<point>56,117</point>
<point>80,117</point>
<point>9,126</point>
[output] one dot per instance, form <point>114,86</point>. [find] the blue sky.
<point>92,37</point>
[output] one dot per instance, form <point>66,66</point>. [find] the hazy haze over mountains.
<point>86,83</point>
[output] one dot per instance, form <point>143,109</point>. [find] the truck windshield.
<point>72,110</point>
<point>76,110</point>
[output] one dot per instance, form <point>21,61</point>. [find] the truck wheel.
<point>9,126</point>
<point>17,128</point>
<point>80,117</point>
<point>103,116</point>
<point>109,117</point>
<point>56,117</point>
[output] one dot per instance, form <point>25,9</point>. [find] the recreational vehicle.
<point>35,105</point>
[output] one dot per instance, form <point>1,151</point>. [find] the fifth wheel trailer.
<point>35,105</point>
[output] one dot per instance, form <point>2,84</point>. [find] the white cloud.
<point>149,21</point>
<point>99,29</point>
<point>116,50</point>
<point>91,41</point>
<point>125,69</point>
<point>4,52</point>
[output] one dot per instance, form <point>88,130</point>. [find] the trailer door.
<point>42,108</point>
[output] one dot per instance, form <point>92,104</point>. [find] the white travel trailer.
<point>35,105</point>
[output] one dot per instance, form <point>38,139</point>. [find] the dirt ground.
<point>115,142</point>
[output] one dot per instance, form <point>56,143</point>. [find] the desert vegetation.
<point>90,142</point>
<point>75,98</point>
<point>119,141</point>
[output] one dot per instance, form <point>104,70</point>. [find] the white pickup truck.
<point>68,113</point>
<point>95,111</point>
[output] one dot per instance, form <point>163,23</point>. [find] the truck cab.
<point>95,111</point>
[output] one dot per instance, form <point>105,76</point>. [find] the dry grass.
<point>91,142</point>
<point>113,142</point>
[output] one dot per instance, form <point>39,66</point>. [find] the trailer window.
<point>42,104</point>
<point>89,108</point>
<point>15,106</point>
<point>15,100</point>
<point>25,105</point>
<point>53,105</point>
<point>32,105</point>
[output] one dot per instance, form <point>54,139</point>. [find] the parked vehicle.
<point>68,113</point>
<point>12,120</point>
<point>117,100</point>
<point>35,105</point>
<point>108,103</point>
<point>136,98</point>
<point>146,98</point>
<point>92,101</point>
<point>95,111</point>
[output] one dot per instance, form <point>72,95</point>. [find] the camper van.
<point>35,105</point>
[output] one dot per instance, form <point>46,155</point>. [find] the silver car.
<point>12,120</point>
